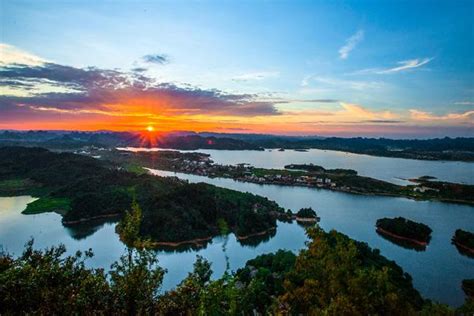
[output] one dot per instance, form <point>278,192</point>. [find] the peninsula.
<point>173,212</point>
<point>307,175</point>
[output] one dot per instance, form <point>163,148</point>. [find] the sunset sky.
<point>344,68</point>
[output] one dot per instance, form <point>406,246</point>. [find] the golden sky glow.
<point>43,95</point>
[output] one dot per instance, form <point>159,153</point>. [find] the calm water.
<point>16,229</point>
<point>389,169</point>
<point>437,272</point>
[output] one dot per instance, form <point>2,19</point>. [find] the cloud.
<point>359,85</point>
<point>404,65</point>
<point>10,55</point>
<point>407,65</point>
<point>351,43</point>
<point>156,59</point>
<point>464,103</point>
<point>55,88</point>
<point>467,117</point>
<point>305,81</point>
<point>384,121</point>
<point>256,76</point>
<point>357,111</point>
<point>347,113</point>
<point>139,69</point>
<point>283,101</point>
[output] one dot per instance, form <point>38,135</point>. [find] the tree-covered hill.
<point>173,210</point>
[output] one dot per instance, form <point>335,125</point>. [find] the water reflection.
<point>402,243</point>
<point>84,230</point>
<point>254,241</point>
<point>355,215</point>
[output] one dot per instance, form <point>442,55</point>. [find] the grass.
<point>260,172</point>
<point>136,169</point>
<point>15,184</point>
<point>48,204</point>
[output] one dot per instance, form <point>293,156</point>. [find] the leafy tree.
<point>129,227</point>
<point>306,212</point>
<point>46,282</point>
<point>135,281</point>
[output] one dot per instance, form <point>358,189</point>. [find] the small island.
<point>464,242</point>
<point>405,231</point>
<point>306,215</point>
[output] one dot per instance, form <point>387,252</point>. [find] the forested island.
<point>464,241</point>
<point>84,189</point>
<point>307,214</point>
<point>404,230</point>
<point>309,175</point>
<point>334,275</point>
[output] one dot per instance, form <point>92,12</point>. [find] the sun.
<point>150,128</point>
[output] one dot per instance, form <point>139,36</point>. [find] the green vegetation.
<point>320,170</point>
<point>464,241</point>
<point>197,211</point>
<point>129,228</point>
<point>335,275</point>
<point>171,210</point>
<point>262,279</point>
<point>135,169</point>
<point>406,229</point>
<point>346,180</point>
<point>47,283</point>
<point>306,212</point>
<point>16,186</point>
<point>48,204</point>
<point>260,172</point>
<point>461,148</point>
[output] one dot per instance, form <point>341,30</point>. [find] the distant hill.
<point>461,148</point>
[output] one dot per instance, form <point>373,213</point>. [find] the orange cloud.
<point>466,117</point>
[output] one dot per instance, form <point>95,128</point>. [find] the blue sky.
<point>395,56</point>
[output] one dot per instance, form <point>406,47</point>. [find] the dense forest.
<point>405,228</point>
<point>83,188</point>
<point>334,275</point>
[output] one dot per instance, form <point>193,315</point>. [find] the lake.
<point>16,229</point>
<point>395,170</point>
<point>437,272</point>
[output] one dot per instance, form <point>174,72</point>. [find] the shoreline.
<point>196,242</point>
<point>255,234</point>
<point>201,241</point>
<point>307,219</point>
<point>415,241</point>
<point>465,248</point>
<point>414,198</point>
<point>85,220</point>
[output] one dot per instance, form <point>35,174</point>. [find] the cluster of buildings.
<point>246,173</point>
<point>423,189</point>
<point>289,180</point>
